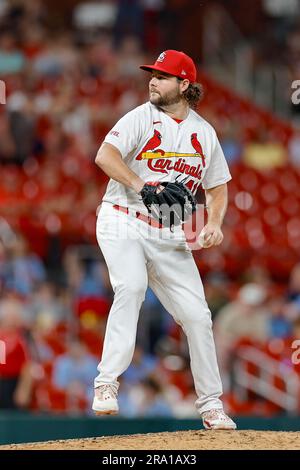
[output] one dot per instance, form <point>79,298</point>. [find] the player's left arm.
<point>216,202</point>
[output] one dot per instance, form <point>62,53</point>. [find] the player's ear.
<point>184,84</point>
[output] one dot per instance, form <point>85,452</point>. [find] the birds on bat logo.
<point>163,161</point>
<point>154,142</point>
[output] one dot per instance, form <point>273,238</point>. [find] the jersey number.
<point>192,186</point>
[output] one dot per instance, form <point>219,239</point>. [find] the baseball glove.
<point>172,205</point>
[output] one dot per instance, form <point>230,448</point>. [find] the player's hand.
<point>211,235</point>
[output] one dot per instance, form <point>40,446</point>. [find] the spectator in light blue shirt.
<point>141,366</point>
<point>11,60</point>
<point>23,270</point>
<point>74,372</point>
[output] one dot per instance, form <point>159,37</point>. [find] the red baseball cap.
<point>174,63</point>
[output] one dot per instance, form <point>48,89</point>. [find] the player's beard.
<point>170,98</point>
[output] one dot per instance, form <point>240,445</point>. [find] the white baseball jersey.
<point>157,148</point>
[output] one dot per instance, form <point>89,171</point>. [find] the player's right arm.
<point>109,159</point>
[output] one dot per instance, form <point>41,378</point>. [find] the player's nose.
<point>153,81</point>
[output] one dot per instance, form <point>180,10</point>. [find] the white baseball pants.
<point>136,256</point>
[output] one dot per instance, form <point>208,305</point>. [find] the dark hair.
<point>193,94</point>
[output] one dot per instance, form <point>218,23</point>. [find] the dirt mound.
<point>184,440</point>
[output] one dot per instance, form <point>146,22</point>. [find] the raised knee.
<point>137,290</point>
<point>200,316</point>
<point>133,289</point>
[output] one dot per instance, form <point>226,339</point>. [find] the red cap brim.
<point>149,68</point>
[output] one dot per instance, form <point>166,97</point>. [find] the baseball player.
<point>162,142</point>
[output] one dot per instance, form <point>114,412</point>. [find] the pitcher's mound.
<point>183,440</point>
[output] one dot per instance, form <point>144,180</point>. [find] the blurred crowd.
<point>65,88</point>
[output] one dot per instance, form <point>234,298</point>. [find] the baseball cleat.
<point>217,419</point>
<point>105,400</point>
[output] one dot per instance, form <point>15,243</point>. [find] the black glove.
<point>172,205</point>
